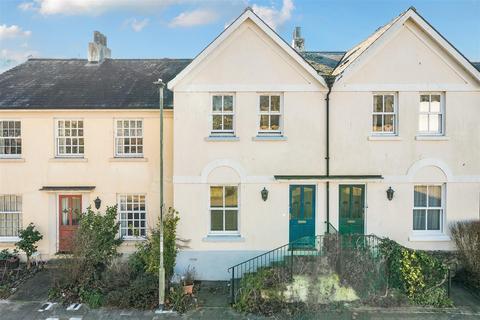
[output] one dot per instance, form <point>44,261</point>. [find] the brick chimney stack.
<point>97,50</point>
<point>298,43</point>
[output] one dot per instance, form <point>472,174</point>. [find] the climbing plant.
<point>419,275</point>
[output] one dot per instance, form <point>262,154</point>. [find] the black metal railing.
<point>329,228</point>
<point>284,259</point>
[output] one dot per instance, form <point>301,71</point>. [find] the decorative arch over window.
<point>223,171</point>
<point>429,170</point>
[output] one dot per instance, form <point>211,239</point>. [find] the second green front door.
<point>351,209</point>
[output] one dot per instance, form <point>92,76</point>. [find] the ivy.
<point>419,275</point>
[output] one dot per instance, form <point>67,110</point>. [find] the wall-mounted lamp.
<point>390,193</point>
<point>264,193</point>
<point>98,203</point>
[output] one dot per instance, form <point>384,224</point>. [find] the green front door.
<point>302,214</point>
<point>351,209</point>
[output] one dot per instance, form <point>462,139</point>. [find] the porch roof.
<point>67,188</point>
<point>329,177</point>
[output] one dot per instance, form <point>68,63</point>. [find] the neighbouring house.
<point>266,142</point>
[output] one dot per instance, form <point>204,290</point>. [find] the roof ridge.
<point>83,59</point>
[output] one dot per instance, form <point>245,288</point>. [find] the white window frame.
<point>427,207</point>
<point>14,212</point>
<point>117,137</point>
<point>441,113</point>
<point>57,137</point>
<point>222,113</point>
<point>383,114</point>
<point>126,211</point>
<point>270,113</point>
<point>210,208</point>
<point>12,155</point>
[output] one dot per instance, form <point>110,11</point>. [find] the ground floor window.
<point>428,207</point>
<point>132,213</point>
<point>224,208</point>
<point>10,215</point>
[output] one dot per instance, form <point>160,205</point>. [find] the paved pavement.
<point>13,310</point>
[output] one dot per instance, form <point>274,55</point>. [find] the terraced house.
<point>265,143</point>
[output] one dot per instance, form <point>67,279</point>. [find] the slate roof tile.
<point>76,84</point>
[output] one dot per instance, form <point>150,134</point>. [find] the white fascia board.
<point>396,27</point>
<point>248,14</point>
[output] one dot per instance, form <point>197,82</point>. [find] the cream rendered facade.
<point>110,176</point>
<point>247,61</point>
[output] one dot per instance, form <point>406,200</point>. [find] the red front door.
<point>70,207</point>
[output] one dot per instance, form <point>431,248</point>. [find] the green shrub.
<point>148,252</point>
<point>419,275</point>
<point>126,288</point>
<point>467,238</point>
<point>5,254</point>
<point>28,239</point>
<point>261,292</point>
<point>96,243</point>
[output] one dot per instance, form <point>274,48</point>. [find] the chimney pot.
<point>97,50</point>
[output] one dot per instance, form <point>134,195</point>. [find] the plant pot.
<point>188,289</point>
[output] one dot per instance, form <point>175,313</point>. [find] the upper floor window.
<point>224,208</point>
<point>223,115</point>
<point>132,213</point>
<point>69,138</point>
<point>129,138</point>
<point>10,215</point>
<point>10,139</point>
<point>384,114</point>
<point>428,208</point>
<point>431,114</point>
<point>270,113</point>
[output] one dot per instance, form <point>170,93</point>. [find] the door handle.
<point>350,221</point>
<point>301,221</point>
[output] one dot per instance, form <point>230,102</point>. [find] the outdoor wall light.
<point>98,203</point>
<point>264,193</point>
<point>390,193</point>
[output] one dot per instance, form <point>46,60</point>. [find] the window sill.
<point>384,138</point>
<point>221,138</point>
<point>128,159</point>
<point>223,238</point>
<point>269,138</point>
<point>65,159</point>
<point>9,239</point>
<point>432,138</point>
<point>12,159</point>
<point>429,237</point>
<point>133,239</point>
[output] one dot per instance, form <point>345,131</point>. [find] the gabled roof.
<point>247,14</point>
<point>76,84</point>
<point>354,56</point>
<point>476,65</point>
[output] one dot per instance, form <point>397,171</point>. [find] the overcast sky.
<point>182,28</point>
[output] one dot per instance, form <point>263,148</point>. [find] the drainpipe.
<point>329,80</point>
